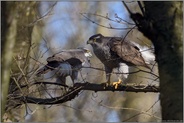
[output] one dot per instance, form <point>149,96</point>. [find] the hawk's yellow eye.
<point>94,40</point>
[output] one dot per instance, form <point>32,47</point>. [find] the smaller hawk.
<point>67,63</point>
<point>113,52</point>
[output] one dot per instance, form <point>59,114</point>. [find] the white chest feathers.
<point>88,54</point>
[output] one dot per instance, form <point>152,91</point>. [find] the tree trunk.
<point>162,24</point>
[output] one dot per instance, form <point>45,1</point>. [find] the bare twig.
<point>16,82</point>
<point>38,83</point>
<point>108,27</point>
<point>133,109</point>
<point>23,74</point>
<point>140,6</point>
<point>44,16</point>
<point>140,70</point>
<point>127,7</point>
<point>121,21</point>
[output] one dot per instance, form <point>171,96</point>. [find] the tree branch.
<point>77,87</point>
<point>108,27</point>
<point>142,22</point>
<point>127,87</point>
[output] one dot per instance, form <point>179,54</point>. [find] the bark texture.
<point>162,24</point>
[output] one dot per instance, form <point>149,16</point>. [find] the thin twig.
<point>140,6</point>
<point>106,17</point>
<point>21,71</point>
<point>140,70</point>
<point>126,7</point>
<point>153,105</point>
<point>103,25</point>
<point>133,109</point>
<point>17,83</point>
<point>44,16</point>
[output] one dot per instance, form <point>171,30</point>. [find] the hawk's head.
<point>95,39</point>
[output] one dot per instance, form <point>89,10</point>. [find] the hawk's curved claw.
<point>115,84</point>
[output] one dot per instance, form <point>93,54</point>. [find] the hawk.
<point>113,51</point>
<point>67,63</point>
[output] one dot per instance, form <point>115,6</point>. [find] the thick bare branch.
<point>127,87</point>
<point>74,91</point>
<point>55,100</point>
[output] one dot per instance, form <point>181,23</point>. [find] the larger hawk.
<point>67,63</point>
<point>112,51</point>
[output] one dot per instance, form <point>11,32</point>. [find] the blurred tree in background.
<point>33,31</point>
<point>17,32</point>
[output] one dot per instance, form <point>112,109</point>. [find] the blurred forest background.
<point>40,29</point>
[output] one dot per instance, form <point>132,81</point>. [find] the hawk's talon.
<point>115,84</point>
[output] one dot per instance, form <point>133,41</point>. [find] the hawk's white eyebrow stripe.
<point>97,37</point>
